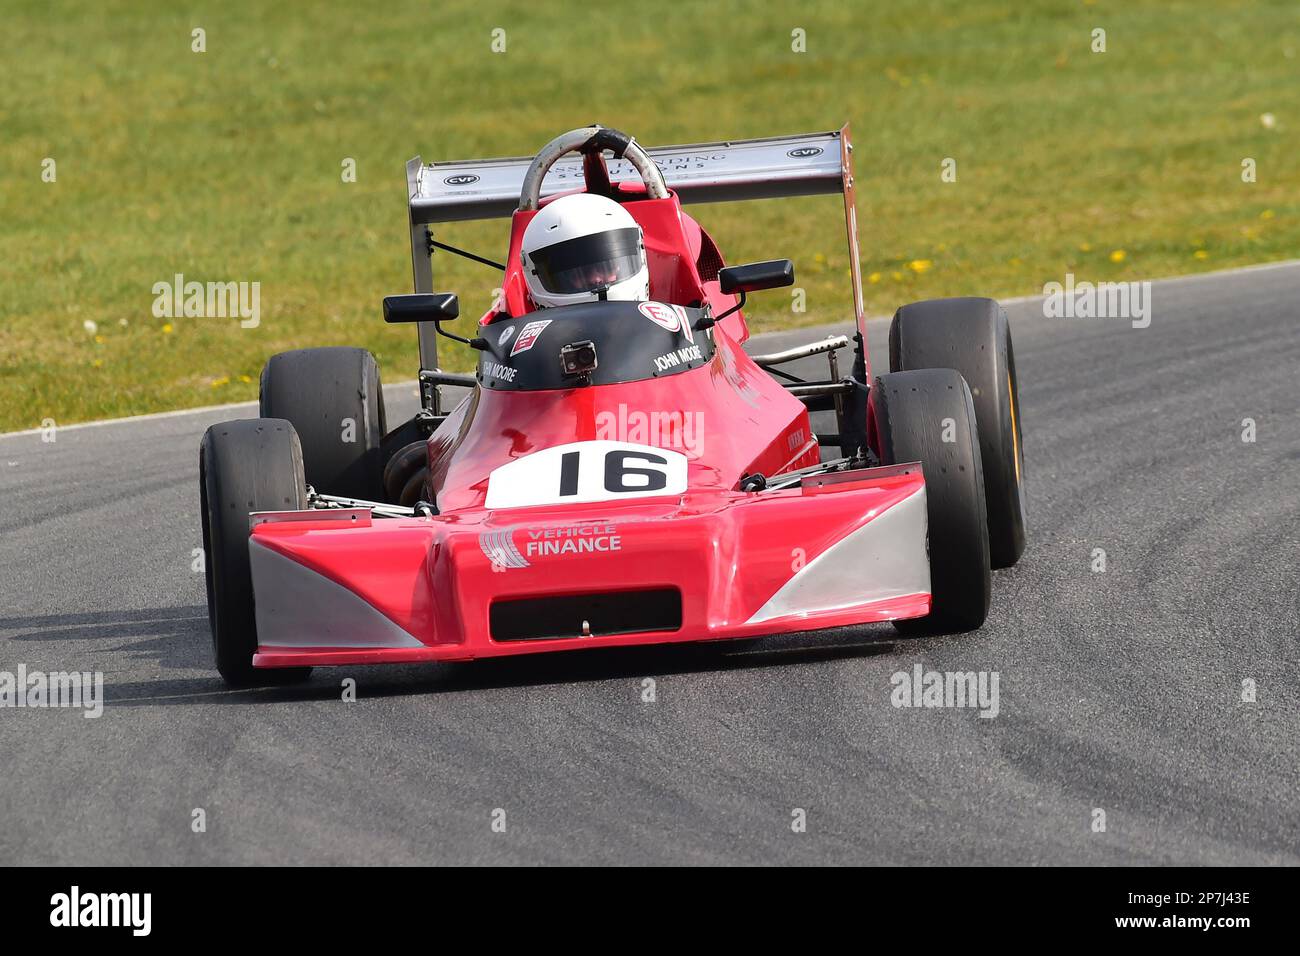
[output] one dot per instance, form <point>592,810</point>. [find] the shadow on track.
<point>568,667</point>
<point>177,637</point>
<point>173,636</point>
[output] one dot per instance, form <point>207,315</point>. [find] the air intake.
<point>586,615</point>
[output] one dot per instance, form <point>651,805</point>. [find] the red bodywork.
<point>346,588</point>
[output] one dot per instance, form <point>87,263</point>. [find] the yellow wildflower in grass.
<point>218,382</point>
<point>1200,254</point>
<point>100,340</point>
<point>897,276</point>
<point>919,265</point>
<point>98,363</point>
<point>1118,255</point>
<point>246,379</point>
<point>873,278</point>
<point>167,329</point>
<point>1085,247</point>
<point>1267,214</point>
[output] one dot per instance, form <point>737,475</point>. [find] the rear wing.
<point>806,164</point>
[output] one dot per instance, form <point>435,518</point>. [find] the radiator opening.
<point>586,615</point>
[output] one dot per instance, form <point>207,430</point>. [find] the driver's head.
<point>581,248</point>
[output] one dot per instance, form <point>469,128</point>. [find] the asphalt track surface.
<point>1119,691</point>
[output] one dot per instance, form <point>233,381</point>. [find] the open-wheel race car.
<point>621,471</point>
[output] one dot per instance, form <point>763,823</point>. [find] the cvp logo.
<point>805,152</point>
<point>464,179</point>
<point>74,909</point>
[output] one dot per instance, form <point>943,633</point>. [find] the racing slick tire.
<point>244,466</point>
<point>927,415</point>
<point>973,336</point>
<point>334,400</point>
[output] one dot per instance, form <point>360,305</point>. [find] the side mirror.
<point>422,307</point>
<point>756,275</point>
<point>435,307</point>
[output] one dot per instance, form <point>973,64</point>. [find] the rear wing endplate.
<point>806,164</point>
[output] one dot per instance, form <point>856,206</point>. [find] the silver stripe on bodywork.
<point>360,516</point>
<point>885,558</point>
<point>296,607</point>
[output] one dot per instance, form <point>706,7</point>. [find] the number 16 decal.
<point>587,471</point>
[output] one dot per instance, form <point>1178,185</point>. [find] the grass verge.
<point>227,164</point>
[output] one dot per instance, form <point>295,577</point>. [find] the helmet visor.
<point>588,263</point>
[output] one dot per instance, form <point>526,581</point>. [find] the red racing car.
<point>622,471</point>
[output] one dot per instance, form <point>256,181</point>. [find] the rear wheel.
<point>927,416</point>
<point>334,400</point>
<point>244,466</point>
<point>972,335</point>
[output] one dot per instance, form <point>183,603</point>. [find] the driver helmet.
<point>582,248</point>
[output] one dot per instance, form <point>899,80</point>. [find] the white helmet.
<point>581,248</point>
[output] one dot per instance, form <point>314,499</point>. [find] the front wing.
<point>338,587</point>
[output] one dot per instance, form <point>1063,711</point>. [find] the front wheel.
<point>244,466</point>
<point>927,416</point>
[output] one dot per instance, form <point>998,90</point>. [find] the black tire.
<point>244,466</point>
<point>320,391</point>
<point>973,336</point>
<point>909,410</point>
<point>407,464</point>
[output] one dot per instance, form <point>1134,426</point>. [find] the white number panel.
<point>587,471</point>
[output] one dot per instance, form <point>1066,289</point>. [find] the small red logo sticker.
<point>528,336</point>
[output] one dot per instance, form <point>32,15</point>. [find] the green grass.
<point>225,165</point>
